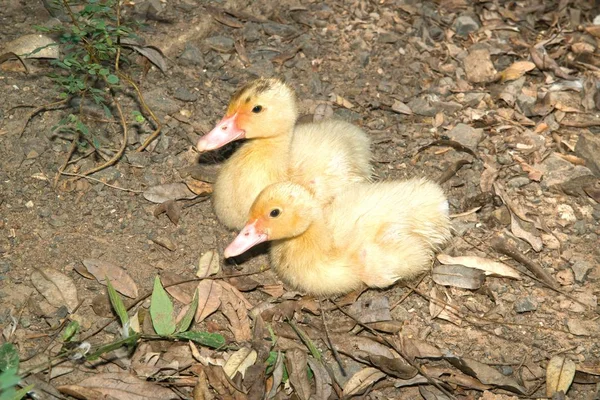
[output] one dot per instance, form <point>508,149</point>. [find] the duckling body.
<point>323,156</point>
<point>372,234</point>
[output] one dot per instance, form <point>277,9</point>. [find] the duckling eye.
<point>257,109</point>
<point>275,213</point>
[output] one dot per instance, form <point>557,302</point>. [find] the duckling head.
<point>263,108</point>
<point>281,211</point>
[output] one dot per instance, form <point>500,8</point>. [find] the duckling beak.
<point>248,237</point>
<point>224,132</point>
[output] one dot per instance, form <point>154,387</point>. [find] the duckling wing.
<point>327,155</point>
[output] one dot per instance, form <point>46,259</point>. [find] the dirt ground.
<point>425,80</point>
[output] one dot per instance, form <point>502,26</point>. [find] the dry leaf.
<point>34,45</point>
<point>490,267</point>
<point>544,62</point>
<point>396,367</point>
<point>208,264</point>
<point>458,276</point>
<point>169,191</point>
<point>340,101</point>
<point>515,71</point>
<point>240,361</point>
<point>559,375</point>
<point>171,208</point>
<point>277,375</point>
<point>296,363</point>
<point>200,188</point>
<point>530,235</point>
<point>401,108</point>
<point>371,310</point>
<point>439,306</point>
<point>323,383</point>
<point>237,313</point>
<point>120,280</point>
<point>361,381</point>
<point>209,298</point>
<point>118,386</point>
<point>56,287</point>
<point>183,292</point>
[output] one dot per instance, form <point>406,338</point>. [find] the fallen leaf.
<point>486,374</point>
<point>296,363</point>
<point>34,45</point>
<point>439,306</point>
<point>530,235</point>
<point>340,101</point>
<point>161,310</point>
<point>432,393</point>
<point>544,62</point>
<point>396,367</point>
<point>401,108</point>
<point>171,208</point>
<point>208,264</point>
<point>361,381</point>
<point>323,384</point>
<point>458,276</point>
<point>371,309</point>
<point>490,267</point>
<point>240,361</point>
<point>120,385</point>
<point>209,298</point>
<point>56,287</point>
<point>237,313</point>
<point>515,71</point>
<point>223,18</point>
<point>392,326</point>
<point>152,53</point>
<point>169,191</point>
<point>183,292</point>
<point>198,187</point>
<point>559,375</point>
<point>285,56</point>
<point>277,375</point>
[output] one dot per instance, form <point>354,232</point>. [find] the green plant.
<point>95,42</point>
<point>9,379</point>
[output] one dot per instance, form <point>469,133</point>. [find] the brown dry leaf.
<point>199,188</point>
<point>530,235</point>
<point>240,49</point>
<point>237,293</point>
<point>458,276</point>
<point>486,374</point>
<point>340,101</point>
<point>285,56</point>
<point>120,280</point>
<point>401,108</point>
<point>361,381</point>
<point>202,390</point>
<point>415,348</point>
<point>572,159</point>
<point>371,309</point>
<point>515,71</point>
<point>359,347</point>
<point>559,375</point>
<point>120,385</point>
<point>592,368</point>
<point>34,45</point>
<point>169,191</point>
<point>224,18</point>
<point>56,287</point>
<point>209,298</point>
<point>275,290</point>
<point>240,361</point>
<point>593,30</point>
<point>183,292</point>
<point>396,367</point>
<point>277,375</point>
<point>296,363</point>
<point>237,313</point>
<point>432,393</point>
<point>439,306</point>
<point>171,208</point>
<point>222,384</point>
<point>208,264</point>
<point>323,383</point>
<point>490,267</point>
<point>544,62</point>
<point>489,174</point>
<point>392,326</point>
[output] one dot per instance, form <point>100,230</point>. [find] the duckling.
<point>373,234</point>
<point>322,156</point>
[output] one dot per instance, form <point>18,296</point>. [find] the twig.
<point>334,351</point>
<point>39,110</point>
<point>99,181</point>
<point>398,350</point>
<point>67,158</point>
<point>411,289</point>
<point>452,171</point>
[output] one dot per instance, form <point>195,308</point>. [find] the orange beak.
<point>224,132</point>
<point>248,237</point>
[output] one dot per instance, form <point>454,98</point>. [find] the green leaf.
<point>8,379</point>
<point>104,71</point>
<point>9,357</point>
<point>161,310</point>
<point>117,304</point>
<point>307,341</point>
<point>22,392</point>
<point>214,340</point>
<point>112,79</point>
<point>70,331</point>
<point>130,341</point>
<point>186,321</point>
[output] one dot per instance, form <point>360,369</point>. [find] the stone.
<point>191,55</point>
<point>518,182</point>
<point>421,106</point>
<point>465,135</point>
<point>282,30</point>
<point>479,67</point>
<point>526,104</point>
<point>160,103</point>
<point>525,305</point>
<point>581,269</point>
<point>558,172</point>
<point>221,44</point>
<point>465,24</point>
<point>389,37</point>
<point>184,94</point>
<point>588,148</point>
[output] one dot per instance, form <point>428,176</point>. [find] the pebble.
<point>389,37</point>
<point>191,55</point>
<point>566,212</point>
<point>581,269</point>
<point>580,227</point>
<point>525,305</point>
<point>465,24</point>
<point>560,172</point>
<point>184,94</point>
<point>466,135</point>
<point>221,44</point>
<point>250,32</point>
<point>518,182</point>
<point>275,29</point>
<point>588,148</point>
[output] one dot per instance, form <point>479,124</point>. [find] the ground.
<point>428,81</point>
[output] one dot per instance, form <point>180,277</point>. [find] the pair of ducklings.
<point>307,188</point>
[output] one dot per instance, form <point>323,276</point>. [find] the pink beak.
<point>226,131</point>
<point>248,237</point>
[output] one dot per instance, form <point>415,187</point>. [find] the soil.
<point>396,69</point>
